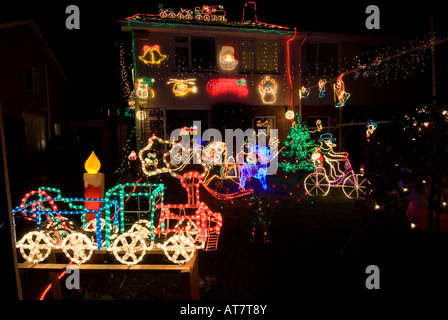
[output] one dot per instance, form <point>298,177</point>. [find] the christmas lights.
<point>321,86</point>
<point>147,168</point>
<point>298,148</point>
<point>340,173</point>
<point>206,13</point>
<point>228,58</point>
<point>371,127</point>
<point>268,90</point>
<point>152,55</point>
<point>57,231</point>
<point>258,158</point>
<point>340,95</point>
<point>185,131</point>
<point>226,86</point>
<point>304,92</point>
<point>181,88</point>
<point>188,227</point>
<point>144,88</point>
<point>289,114</point>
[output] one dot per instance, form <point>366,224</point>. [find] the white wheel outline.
<point>180,246</point>
<point>38,251</point>
<point>316,185</point>
<point>121,245</point>
<point>77,247</point>
<point>349,186</point>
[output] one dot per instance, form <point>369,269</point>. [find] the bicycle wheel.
<point>317,184</point>
<point>355,186</point>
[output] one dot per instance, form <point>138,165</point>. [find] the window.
<point>247,55</point>
<point>195,52</point>
<point>368,54</point>
<point>203,54</point>
<point>265,122</point>
<point>31,80</point>
<point>267,56</point>
<point>259,56</point>
<point>320,58</point>
<point>181,52</point>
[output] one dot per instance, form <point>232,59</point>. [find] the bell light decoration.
<point>93,184</point>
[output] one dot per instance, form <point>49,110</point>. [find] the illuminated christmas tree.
<point>298,149</point>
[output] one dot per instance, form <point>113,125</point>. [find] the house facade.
<point>372,84</point>
<point>189,63</point>
<point>32,86</point>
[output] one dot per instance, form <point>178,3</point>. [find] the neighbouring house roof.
<point>32,25</point>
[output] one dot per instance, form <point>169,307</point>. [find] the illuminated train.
<point>59,223</point>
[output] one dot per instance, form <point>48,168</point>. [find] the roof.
<point>212,16</point>
<point>31,24</point>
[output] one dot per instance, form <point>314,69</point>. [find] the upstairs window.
<point>267,56</point>
<point>261,56</point>
<point>31,80</point>
<point>203,55</point>
<point>320,58</point>
<point>181,52</point>
<point>197,53</point>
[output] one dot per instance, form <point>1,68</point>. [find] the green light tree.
<point>296,154</point>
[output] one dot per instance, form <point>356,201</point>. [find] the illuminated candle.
<point>93,184</point>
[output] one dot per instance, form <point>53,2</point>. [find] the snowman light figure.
<point>268,90</point>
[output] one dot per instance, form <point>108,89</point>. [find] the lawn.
<point>316,245</point>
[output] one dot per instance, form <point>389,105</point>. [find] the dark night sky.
<point>90,56</point>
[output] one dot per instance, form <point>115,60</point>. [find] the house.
<point>190,62</point>
<point>378,76</point>
<point>32,86</point>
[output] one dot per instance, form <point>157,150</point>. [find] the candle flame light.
<point>92,164</point>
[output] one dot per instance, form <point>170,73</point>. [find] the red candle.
<point>93,185</point>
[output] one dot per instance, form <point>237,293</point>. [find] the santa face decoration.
<point>228,58</point>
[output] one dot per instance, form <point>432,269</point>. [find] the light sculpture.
<point>205,13</point>
<point>228,58</point>
<point>144,88</point>
<point>268,90</point>
<point>321,86</point>
<point>333,169</point>
<point>371,127</point>
<point>93,184</point>
<point>289,114</point>
<point>340,95</point>
<point>151,55</point>
<point>181,88</point>
<point>304,93</point>
<point>227,86</point>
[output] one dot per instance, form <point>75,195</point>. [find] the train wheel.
<point>77,247</point>
<point>129,248</point>
<point>317,184</point>
<point>35,246</point>
<point>179,249</point>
